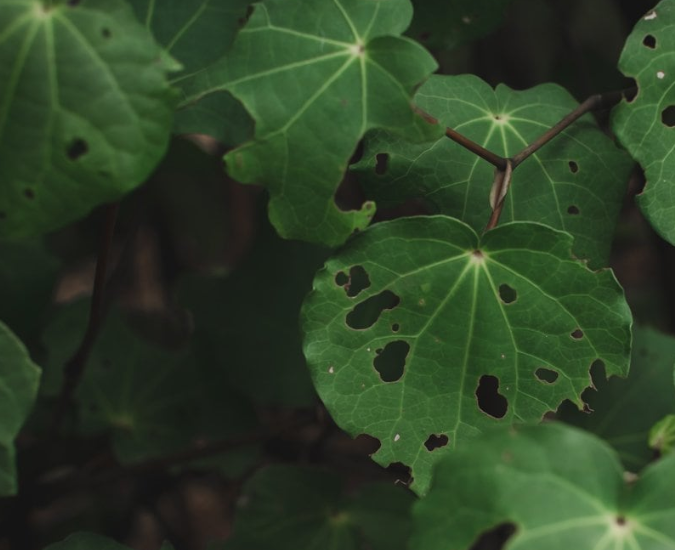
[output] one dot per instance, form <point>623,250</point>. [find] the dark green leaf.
<point>85,109</point>
<point>575,183</point>
<point>19,378</point>
<point>560,488</point>
<point>646,125</point>
<point>662,435</point>
<point>86,541</point>
<point>316,76</point>
<point>468,333</point>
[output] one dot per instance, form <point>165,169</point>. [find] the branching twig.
<point>74,369</point>
<point>500,188</point>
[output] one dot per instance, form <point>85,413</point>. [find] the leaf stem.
<point>500,188</point>
<point>74,369</point>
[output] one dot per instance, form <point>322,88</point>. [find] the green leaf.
<point>86,541</point>
<point>291,508</point>
<point>448,334</point>
<point>447,24</point>
<point>624,410</point>
<point>197,33</point>
<point>645,125</point>
<point>560,488</point>
<point>662,435</point>
<point>85,110</point>
<point>19,378</point>
<point>575,183</point>
<point>316,76</point>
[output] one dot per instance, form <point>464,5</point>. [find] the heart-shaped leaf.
<point>422,334</point>
<point>85,109</point>
<point>557,487</point>
<point>19,378</point>
<point>316,76</point>
<point>576,182</point>
<point>646,125</point>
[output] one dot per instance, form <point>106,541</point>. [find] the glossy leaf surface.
<point>19,378</point>
<point>85,110</point>
<point>575,183</point>
<point>646,125</point>
<point>448,334</point>
<point>559,487</point>
<point>315,76</point>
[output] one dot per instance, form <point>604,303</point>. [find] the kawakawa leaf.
<point>624,410</point>
<point>86,541</point>
<point>646,125</point>
<point>576,183</point>
<point>85,109</point>
<point>197,33</point>
<point>449,23</point>
<point>422,334</point>
<point>315,76</point>
<point>292,508</point>
<point>558,487</point>
<point>662,435</point>
<point>19,378</point>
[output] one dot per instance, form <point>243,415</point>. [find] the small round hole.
<point>650,41</point>
<point>507,294</point>
<point>29,193</point>
<point>341,278</point>
<point>547,376</point>
<point>574,167</point>
<point>573,210</point>
<point>77,148</point>
<point>578,334</point>
<point>106,33</point>
<point>668,116</point>
<point>394,328</point>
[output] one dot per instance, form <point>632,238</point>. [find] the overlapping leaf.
<point>19,378</point>
<point>85,109</point>
<point>575,183</point>
<point>624,410</point>
<point>316,76</point>
<point>662,435</point>
<point>291,508</point>
<point>560,488</point>
<point>646,125</point>
<point>444,334</point>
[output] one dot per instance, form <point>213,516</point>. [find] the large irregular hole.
<point>490,401</point>
<point>381,163</point>
<point>507,294</point>
<point>650,41</point>
<point>367,444</point>
<point>401,472</point>
<point>574,167</point>
<point>495,538</point>
<point>577,334</point>
<point>631,92</point>
<point>365,314</point>
<point>573,210</point>
<point>547,376</point>
<point>436,442</point>
<point>341,278</point>
<point>77,148</point>
<point>390,364</point>
<point>358,281</point>
<point>668,116</point>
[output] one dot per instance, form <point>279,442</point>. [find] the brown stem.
<point>74,369</point>
<point>500,188</point>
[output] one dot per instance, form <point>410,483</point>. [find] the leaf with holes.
<point>19,378</point>
<point>548,486</point>
<point>646,125</point>
<point>85,110</point>
<point>291,508</point>
<point>576,182</point>
<point>316,76</point>
<point>449,23</point>
<point>624,410</point>
<point>447,334</point>
<point>197,33</point>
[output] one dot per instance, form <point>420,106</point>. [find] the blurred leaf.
<point>85,110</point>
<point>575,183</point>
<point>316,76</point>
<point>560,488</point>
<point>662,435</point>
<point>19,378</point>
<point>86,541</point>
<point>292,508</point>
<point>624,410</point>
<point>645,125</point>
<point>467,333</point>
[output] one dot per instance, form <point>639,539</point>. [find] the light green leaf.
<point>85,110</point>
<point>624,410</point>
<point>560,488</point>
<point>86,541</point>
<point>449,23</point>
<point>316,76</point>
<point>646,125</point>
<point>662,435</point>
<point>19,378</point>
<point>575,183</point>
<point>292,508</point>
<point>197,33</point>
<point>448,334</point>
